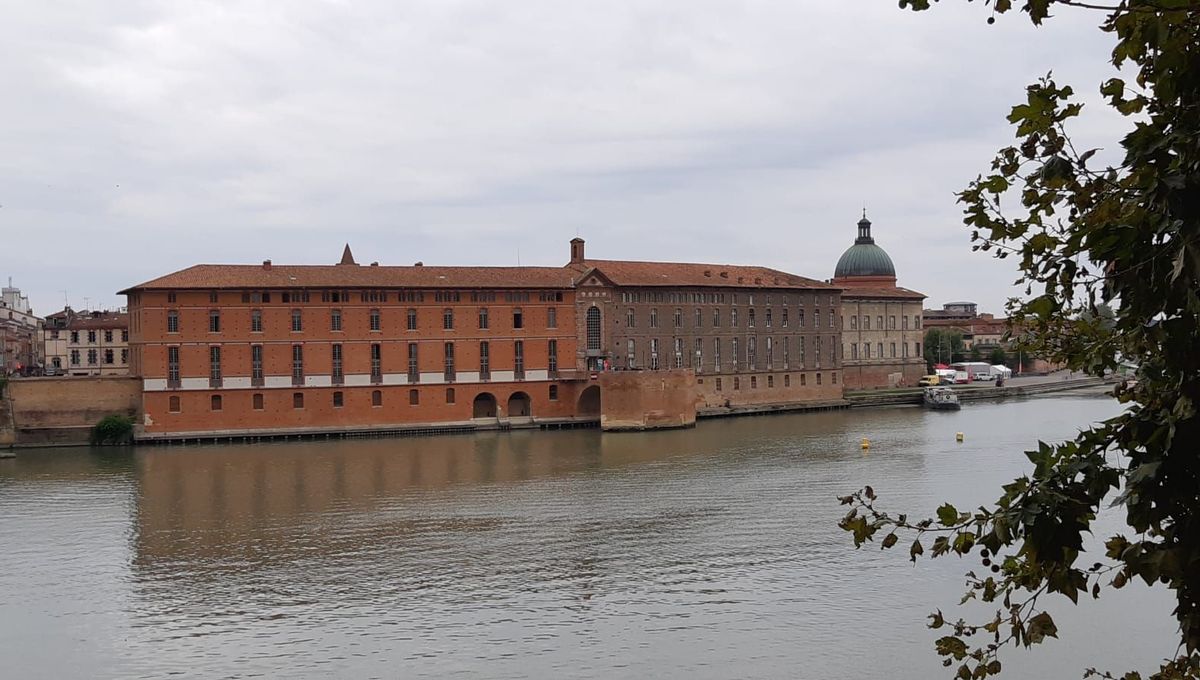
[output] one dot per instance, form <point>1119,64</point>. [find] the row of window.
<point>258,401</point>
<point>752,317</point>
<point>741,356</point>
<point>255,297</point>
<point>257,377</point>
<point>713,298</point>
<point>891,322</point>
<point>866,350</point>
<point>374,319</point>
<point>787,381</point>
<point>93,357</point>
<point>92,336</point>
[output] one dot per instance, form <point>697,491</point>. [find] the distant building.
<point>983,330</point>
<point>20,350</point>
<point>881,328</point>
<point>54,340</point>
<point>98,344</point>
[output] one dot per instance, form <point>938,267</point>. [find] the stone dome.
<point>864,258</point>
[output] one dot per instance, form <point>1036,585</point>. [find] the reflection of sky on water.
<point>709,552</point>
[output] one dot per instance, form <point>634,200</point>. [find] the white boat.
<point>941,398</point>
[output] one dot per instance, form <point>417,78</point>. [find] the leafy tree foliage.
<point>997,356</point>
<point>943,346</point>
<point>1126,236</point>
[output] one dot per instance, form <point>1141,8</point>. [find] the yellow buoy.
<point>959,437</point>
<point>866,443</point>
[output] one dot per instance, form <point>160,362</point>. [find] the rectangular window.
<point>653,353</point>
<point>448,361</point>
<point>483,318</point>
<point>879,322</point>
<point>866,323</point>
<point>752,354</point>
<point>75,335</point>
<point>770,353</point>
<point>74,357</point>
<point>699,354</point>
<point>256,365</point>
<point>172,367</point>
<point>449,395</point>
<point>717,355</point>
<point>678,317</point>
<point>91,357</point>
<point>108,336</point>
<point>297,364</point>
<point>800,318</point>
<point>552,317</point>
<point>818,378</point>
<point>917,349</point>
<point>338,400</point>
<point>124,356</point>
<point>892,322</point>
<point>754,382</point>
<point>518,319</point>
<point>733,320</point>
<point>256,321</point>
<point>485,361</point>
<point>108,356</point>
<point>519,359</point>
<point>335,319</point>
<point>214,366</point>
<point>257,401</point>
<point>554,393</point>
<point>904,347</point>
<point>631,353</point>
<point>376,362</point>
<point>678,352</point>
<point>337,374</point>
<point>654,317</point>
<point>787,363</point>
<point>414,397</point>
<point>376,398</point>
<point>879,350</point>
<point>699,317</point>
<point>171,298</point>
<point>787,380</point>
<point>411,320</point>
<point>552,356</point>
<point>376,320</point>
<point>716,318</point>
<point>414,371</point>
<point>630,318</point>
<point>297,321</point>
<point>904,322</point>
<point>784,320</point>
<point>447,319</point>
<point>718,384</point>
<point>214,321</point>
<point>803,379</point>
<point>750,320</point>
<point>297,400</point>
<point>817,350</point>
<point>733,346</point>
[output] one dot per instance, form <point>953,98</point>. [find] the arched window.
<point>593,328</point>
<point>216,402</point>
<point>376,398</point>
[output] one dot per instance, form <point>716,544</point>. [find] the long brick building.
<point>266,349</point>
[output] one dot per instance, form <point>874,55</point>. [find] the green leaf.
<point>947,515</point>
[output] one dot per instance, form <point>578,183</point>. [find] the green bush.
<point>113,430</point>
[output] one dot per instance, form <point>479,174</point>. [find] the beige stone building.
<point>881,322</point>
<point>98,344</point>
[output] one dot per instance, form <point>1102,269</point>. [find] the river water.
<point>704,553</point>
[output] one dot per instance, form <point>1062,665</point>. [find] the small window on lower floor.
<point>818,378</point>
<point>257,401</point>
<point>216,402</point>
<point>787,380</point>
<point>770,381</point>
<point>803,379</point>
<point>339,400</point>
<point>554,393</point>
<point>376,398</point>
<point>737,383</point>
<point>718,384</point>
<point>449,395</point>
<point>414,397</point>
<point>173,405</point>
<point>834,379</point>
<point>754,382</point>
<point>297,400</point>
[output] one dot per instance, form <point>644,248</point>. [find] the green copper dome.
<point>864,258</point>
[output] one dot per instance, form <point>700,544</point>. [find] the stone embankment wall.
<point>646,400</point>
<point>900,397</point>
<point>63,410</point>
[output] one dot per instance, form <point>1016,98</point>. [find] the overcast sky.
<point>139,138</point>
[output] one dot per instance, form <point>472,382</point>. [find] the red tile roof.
<point>881,293</point>
<point>629,273</point>
<point>105,320</point>
<point>237,276</point>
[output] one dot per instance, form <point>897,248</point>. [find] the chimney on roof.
<point>347,256</point>
<point>267,265</point>
<point>577,250</point>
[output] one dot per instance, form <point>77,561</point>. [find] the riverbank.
<point>913,396</point>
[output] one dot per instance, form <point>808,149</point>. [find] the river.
<point>710,552</point>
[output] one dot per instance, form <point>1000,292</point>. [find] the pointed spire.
<point>347,256</point>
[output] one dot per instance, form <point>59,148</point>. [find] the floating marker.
<point>958,437</point>
<point>866,443</point>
